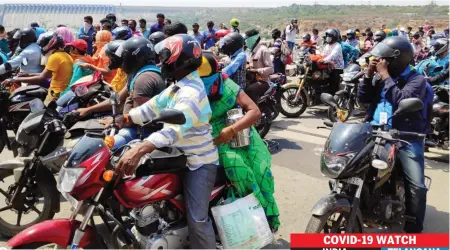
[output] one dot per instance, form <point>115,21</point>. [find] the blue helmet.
<point>122,33</point>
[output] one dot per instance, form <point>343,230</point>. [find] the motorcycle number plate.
<point>383,118</point>
<point>354,181</point>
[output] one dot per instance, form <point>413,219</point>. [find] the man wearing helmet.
<point>332,54</point>
<point>439,50</point>
<point>29,59</point>
<point>397,80</point>
<point>232,46</point>
<point>235,25</point>
<point>351,38</point>
<point>58,66</point>
<point>378,37</point>
<point>144,80</point>
<point>181,56</point>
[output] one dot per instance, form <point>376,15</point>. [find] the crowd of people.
<point>164,67</point>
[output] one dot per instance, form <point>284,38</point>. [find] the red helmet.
<point>221,33</point>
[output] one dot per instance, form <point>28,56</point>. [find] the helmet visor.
<point>382,50</point>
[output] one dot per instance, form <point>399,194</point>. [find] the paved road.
<point>299,183</point>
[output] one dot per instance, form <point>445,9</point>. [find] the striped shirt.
<point>194,137</point>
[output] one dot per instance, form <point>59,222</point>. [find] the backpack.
<point>285,51</point>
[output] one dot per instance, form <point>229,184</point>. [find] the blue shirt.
<point>145,33</point>
<point>4,45</point>
<point>39,31</point>
<point>199,37</point>
<point>237,60</point>
<point>443,61</point>
<point>156,27</point>
<point>349,53</point>
<point>211,41</point>
<point>32,55</point>
<point>82,35</point>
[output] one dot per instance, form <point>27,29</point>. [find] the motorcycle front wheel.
<point>264,123</point>
<point>342,114</point>
<point>331,223</point>
<point>290,107</point>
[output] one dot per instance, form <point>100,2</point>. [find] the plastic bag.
<point>242,224</point>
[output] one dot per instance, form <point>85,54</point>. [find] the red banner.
<point>369,240</point>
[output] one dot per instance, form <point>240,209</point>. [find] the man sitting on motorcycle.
<point>397,80</point>
<point>181,55</point>
<point>351,38</point>
<point>58,66</point>
<point>378,37</point>
<point>29,59</point>
<point>136,57</point>
<point>349,53</point>
<point>260,65</point>
<point>307,43</point>
<point>232,46</point>
<point>439,49</point>
<point>332,54</point>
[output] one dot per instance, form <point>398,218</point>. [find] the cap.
<point>78,44</point>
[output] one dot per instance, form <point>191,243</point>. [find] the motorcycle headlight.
<point>332,166</point>
<point>68,177</point>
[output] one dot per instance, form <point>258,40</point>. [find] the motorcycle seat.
<point>25,89</point>
<point>159,162</point>
<point>39,93</point>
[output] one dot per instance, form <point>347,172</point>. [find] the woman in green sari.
<point>248,168</point>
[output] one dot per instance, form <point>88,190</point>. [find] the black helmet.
<point>136,52</point>
<point>397,51</point>
<point>25,37</point>
<point>333,34</point>
<point>114,61</point>
<point>157,37</point>
<point>231,43</point>
<point>50,41</point>
<point>379,36</point>
<point>122,33</point>
<point>180,55</point>
<point>439,46</point>
<point>351,34</point>
<point>294,20</point>
<point>306,37</point>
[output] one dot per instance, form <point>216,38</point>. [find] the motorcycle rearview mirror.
<point>329,100</point>
<point>408,105</point>
<point>36,105</point>
<point>171,116</point>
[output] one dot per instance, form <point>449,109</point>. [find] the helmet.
<point>221,33</point>
<point>294,20</point>
<point>439,46</point>
<point>234,22</point>
<point>156,37</point>
<point>50,41</point>
<point>122,33</point>
<point>306,37</point>
<point>351,34</point>
<point>136,52</point>
<point>114,61</point>
<point>333,34</point>
<point>180,55</point>
<point>231,43</point>
<point>397,51</point>
<point>379,36</point>
<point>25,37</point>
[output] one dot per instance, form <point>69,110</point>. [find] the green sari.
<point>248,168</point>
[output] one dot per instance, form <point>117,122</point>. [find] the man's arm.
<point>268,64</point>
<point>354,54</point>
<point>144,89</point>
<point>13,63</point>
<point>106,104</point>
<point>334,53</point>
<point>413,88</point>
<point>36,79</point>
<point>366,91</point>
<point>443,75</point>
<point>241,59</point>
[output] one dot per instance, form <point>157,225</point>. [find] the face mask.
<point>87,26</point>
<point>328,39</point>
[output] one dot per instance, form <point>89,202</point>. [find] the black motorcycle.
<point>367,187</point>
<point>439,135</point>
<point>347,98</point>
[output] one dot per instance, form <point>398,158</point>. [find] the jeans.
<point>413,163</point>
<point>126,135</point>
<point>278,66</point>
<point>198,185</point>
<point>291,45</point>
<point>256,90</point>
<point>64,100</point>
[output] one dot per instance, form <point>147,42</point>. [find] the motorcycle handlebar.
<point>405,133</point>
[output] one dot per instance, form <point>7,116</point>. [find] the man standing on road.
<point>197,35</point>
<point>291,32</point>
<point>112,19</point>
<point>208,35</point>
<point>143,27</point>
<point>133,25</point>
<point>106,24</point>
<point>87,33</point>
<point>159,25</point>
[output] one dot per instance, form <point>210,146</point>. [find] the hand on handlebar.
<point>130,159</point>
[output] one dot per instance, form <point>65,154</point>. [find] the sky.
<point>231,3</point>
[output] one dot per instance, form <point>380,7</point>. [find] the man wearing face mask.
<point>87,32</point>
<point>397,80</point>
<point>144,81</point>
<point>29,59</point>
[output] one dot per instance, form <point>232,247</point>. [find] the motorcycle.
<point>439,134</point>
<point>347,98</point>
<point>153,195</point>
<point>367,185</point>
<point>40,137</point>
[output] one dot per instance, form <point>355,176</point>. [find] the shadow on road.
<point>436,221</point>
<point>286,144</point>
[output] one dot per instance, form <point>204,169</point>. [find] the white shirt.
<point>333,53</point>
<point>291,33</point>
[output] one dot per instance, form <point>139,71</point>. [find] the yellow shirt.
<point>60,64</point>
<point>119,81</point>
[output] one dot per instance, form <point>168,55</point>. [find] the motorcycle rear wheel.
<point>320,224</point>
<point>289,101</point>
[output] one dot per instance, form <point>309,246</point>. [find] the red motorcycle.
<point>154,196</point>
